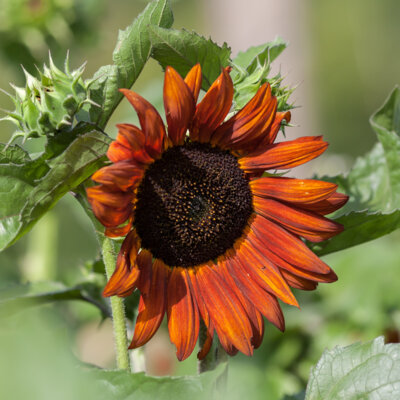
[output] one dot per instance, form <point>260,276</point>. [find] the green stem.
<point>215,356</point>
<point>117,304</point>
<point>209,362</point>
<point>117,308</point>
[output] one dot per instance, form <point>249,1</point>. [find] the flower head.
<point>207,236</point>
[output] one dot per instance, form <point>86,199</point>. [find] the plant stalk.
<point>215,356</point>
<point>117,308</point>
<point>117,304</point>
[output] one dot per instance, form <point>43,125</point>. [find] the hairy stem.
<point>117,304</point>
<point>117,308</point>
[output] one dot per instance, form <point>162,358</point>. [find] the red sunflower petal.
<point>327,206</point>
<point>286,246</point>
<point>126,273</point>
<point>109,196</point>
<point>123,174</point>
<point>255,318</point>
<point>110,206</point>
<point>229,348</point>
<point>118,152</point>
<point>182,313</point>
<point>214,107</point>
<point>206,346</point>
<point>309,225</point>
<point>179,106</point>
<point>284,265</point>
<point>145,264</point>
<point>297,282</point>
<point>269,135</point>
<point>134,139</point>
<point>265,302</point>
<point>228,316</point>
<point>198,299</point>
<point>151,306</point>
<point>110,217</point>
<point>285,155</point>
<point>264,273</point>
<point>292,190</point>
<point>193,81</point>
<point>119,231</point>
<point>249,122</point>
<point>150,121</point>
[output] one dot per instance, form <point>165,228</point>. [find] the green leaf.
<point>360,371</point>
<point>130,55</point>
<point>29,189</point>
<point>259,55</point>
<point>360,227</point>
<point>122,385</point>
<point>182,49</point>
<point>373,185</point>
<point>20,297</point>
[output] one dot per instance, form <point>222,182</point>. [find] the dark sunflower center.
<point>192,204</point>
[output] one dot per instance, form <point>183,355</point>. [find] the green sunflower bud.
<point>49,104</point>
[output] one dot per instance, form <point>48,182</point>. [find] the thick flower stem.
<point>117,305</point>
<point>117,308</point>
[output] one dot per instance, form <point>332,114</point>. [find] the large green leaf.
<point>360,371</point>
<point>16,298</point>
<point>373,185</point>
<point>130,55</point>
<point>29,188</point>
<point>122,385</point>
<point>181,50</point>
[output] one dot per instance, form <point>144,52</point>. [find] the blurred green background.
<point>349,68</point>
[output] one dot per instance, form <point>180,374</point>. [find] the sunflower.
<point>209,235</point>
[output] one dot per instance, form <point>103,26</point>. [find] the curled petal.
<point>179,106</point>
<point>145,264</point>
<point>244,129</point>
<point>109,196</point>
<point>214,107</point>
<point>150,122</point>
<point>206,345</point>
<point>328,205</point>
<point>183,317</point>
<point>122,281</point>
<point>269,135</point>
<point>298,283</point>
<point>123,174</point>
<point>118,152</point>
<point>311,226</point>
<point>193,81</point>
<point>151,306</point>
<point>119,231</point>
<point>110,206</point>
<point>133,138</point>
<point>285,155</point>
